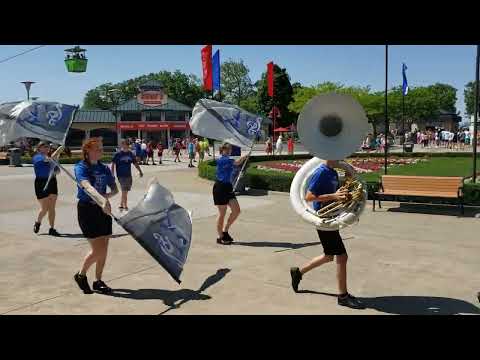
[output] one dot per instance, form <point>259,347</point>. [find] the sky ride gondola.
<point>75,60</point>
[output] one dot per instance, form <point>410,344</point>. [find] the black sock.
<point>343,295</point>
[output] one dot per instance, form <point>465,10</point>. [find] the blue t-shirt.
<point>41,167</point>
<point>138,149</point>
<point>99,175</point>
<point>191,148</point>
<point>225,169</point>
<point>123,162</point>
<point>323,181</point>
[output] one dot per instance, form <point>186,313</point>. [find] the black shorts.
<point>332,242</point>
<point>51,189</point>
<point>93,221</point>
<point>222,193</point>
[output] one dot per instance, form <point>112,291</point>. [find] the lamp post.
<point>28,84</point>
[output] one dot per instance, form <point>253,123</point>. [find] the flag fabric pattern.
<point>270,78</point>
<point>162,228</point>
<point>44,120</point>
<point>405,83</point>
<point>216,70</point>
<point>207,67</point>
<point>225,122</point>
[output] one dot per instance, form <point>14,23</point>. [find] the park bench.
<point>3,157</point>
<point>421,186</point>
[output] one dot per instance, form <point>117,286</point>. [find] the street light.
<point>28,84</point>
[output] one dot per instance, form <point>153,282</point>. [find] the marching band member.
<point>95,221</point>
<point>323,188</point>
<point>122,163</point>
<point>223,194</point>
<point>48,197</point>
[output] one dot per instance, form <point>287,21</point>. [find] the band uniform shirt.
<point>98,175</point>
<point>323,181</point>
<point>40,166</point>
<point>225,169</point>
<point>123,161</point>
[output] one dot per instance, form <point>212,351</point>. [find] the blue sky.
<point>307,64</point>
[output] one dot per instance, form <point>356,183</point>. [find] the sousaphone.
<point>331,126</point>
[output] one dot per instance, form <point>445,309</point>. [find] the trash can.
<point>408,147</point>
<point>15,155</point>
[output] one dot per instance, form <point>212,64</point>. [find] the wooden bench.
<point>421,186</point>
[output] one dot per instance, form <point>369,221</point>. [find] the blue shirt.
<point>225,169</point>
<point>191,148</point>
<point>123,162</point>
<point>138,149</point>
<point>99,175</point>
<point>41,167</point>
<point>323,181</point>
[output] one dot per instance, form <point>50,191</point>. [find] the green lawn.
<point>434,166</point>
<point>441,166</point>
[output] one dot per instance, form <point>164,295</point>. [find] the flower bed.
<point>360,164</point>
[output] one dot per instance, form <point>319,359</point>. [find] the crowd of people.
<point>145,151</point>
<point>278,150</point>
<point>438,138</point>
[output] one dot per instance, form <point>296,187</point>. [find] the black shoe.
<point>227,237</point>
<point>100,286</point>
<point>223,241</point>
<point>296,277</point>
<point>53,232</point>
<point>350,301</point>
<point>83,283</point>
<point>36,227</point>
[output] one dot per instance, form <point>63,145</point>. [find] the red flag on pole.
<point>207,67</point>
<point>270,78</point>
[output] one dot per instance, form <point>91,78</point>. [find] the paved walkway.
<point>403,259</point>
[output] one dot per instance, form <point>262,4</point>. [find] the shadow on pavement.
<point>316,293</point>
<point>420,305</point>
<point>285,245</point>
<point>170,297</point>
<point>81,236</point>
<point>450,210</point>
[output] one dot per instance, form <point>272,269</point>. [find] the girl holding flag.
<point>46,190</point>
<point>223,194</point>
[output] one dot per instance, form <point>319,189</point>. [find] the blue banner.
<point>216,70</point>
<point>405,83</point>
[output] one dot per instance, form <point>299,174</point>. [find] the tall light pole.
<point>475,116</point>
<point>28,84</point>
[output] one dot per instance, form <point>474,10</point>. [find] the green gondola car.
<point>75,60</point>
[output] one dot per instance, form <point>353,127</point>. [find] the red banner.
<point>207,67</point>
<point>270,78</point>
<point>152,125</point>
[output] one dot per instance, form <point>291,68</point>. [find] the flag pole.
<point>403,119</point>
<point>475,116</point>
<point>386,108</point>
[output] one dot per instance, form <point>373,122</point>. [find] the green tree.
<point>236,83</point>
<point>283,95</point>
<point>469,96</point>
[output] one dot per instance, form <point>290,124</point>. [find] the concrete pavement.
<point>401,262</point>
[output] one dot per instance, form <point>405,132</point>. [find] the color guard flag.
<point>43,120</point>
<point>207,67</point>
<point>405,83</point>
<point>216,70</point>
<point>225,122</point>
<point>270,78</point>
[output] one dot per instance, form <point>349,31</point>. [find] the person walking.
<point>290,145</point>
<point>47,197</point>
<point>279,145</point>
<point>122,163</point>
<point>160,152</point>
<point>191,153</point>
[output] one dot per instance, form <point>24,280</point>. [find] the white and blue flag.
<point>405,83</point>
<point>43,120</point>
<point>225,122</point>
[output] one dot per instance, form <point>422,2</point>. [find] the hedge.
<point>280,181</point>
